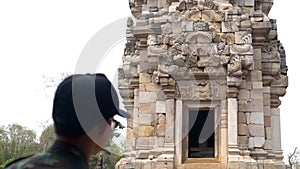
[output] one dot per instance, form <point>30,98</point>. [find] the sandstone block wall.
<point>203,51</point>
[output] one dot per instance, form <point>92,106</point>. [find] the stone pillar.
<point>169,135</point>
<point>178,134</point>
<point>224,132</point>
<point>276,137</point>
<point>234,158</point>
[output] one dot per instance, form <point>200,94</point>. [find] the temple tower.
<point>202,80</point>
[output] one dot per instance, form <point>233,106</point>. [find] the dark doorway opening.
<point>201,137</point>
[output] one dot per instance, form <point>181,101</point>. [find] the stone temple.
<point>202,80</point>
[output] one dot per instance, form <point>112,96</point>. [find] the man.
<point>83,111</point>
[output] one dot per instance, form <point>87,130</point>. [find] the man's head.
<point>83,101</point>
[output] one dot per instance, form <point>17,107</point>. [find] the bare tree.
<point>293,159</point>
<point>51,82</point>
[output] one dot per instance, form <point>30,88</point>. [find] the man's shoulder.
<point>47,160</point>
<point>41,160</point>
<point>17,161</point>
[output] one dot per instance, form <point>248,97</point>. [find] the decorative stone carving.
<point>204,91</point>
<point>241,49</point>
<point>234,67</point>
<point>184,55</point>
<point>199,37</point>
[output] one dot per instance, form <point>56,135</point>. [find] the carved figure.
<point>235,66</point>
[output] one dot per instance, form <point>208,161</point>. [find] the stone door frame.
<point>182,108</point>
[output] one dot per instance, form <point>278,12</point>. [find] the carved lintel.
<point>194,90</point>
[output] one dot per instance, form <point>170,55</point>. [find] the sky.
<point>41,38</point>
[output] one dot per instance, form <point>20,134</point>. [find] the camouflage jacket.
<point>59,156</point>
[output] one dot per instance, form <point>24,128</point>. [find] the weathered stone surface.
<point>147,108</point>
<point>212,15</point>
<point>252,106</point>
<point>129,136</point>
<point>143,131</point>
<point>146,119</point>
<point>256,130</point>
<point>229,38</point>
<point>243,37</point>
<point>205,49</point>
<point>170,116</point>
<point>187,26</point>
<point>267,110</point>
<point>255,76</point>
<point>151,87</point>
<point>246,24</point>
<point>142,154</point>
<point>176,27</point>
<point>251,143</point>
<point>147,97</point>
<point>268,133</point>
<point>210,61</point>
<point>244,141</point>
<point>196,15</point>
<point>256,142</point>
<point>229,27</point>
<point>244,95</point>
<point>243,130</point>
<point>159,141</point>
<point>173,7</point>
<point>144,78</point>
<point>162,119</point>
<point>148,164</point>
<point>256,118</point>
<point>258,85</point>
<point>143,143</point>
<point>242,117</point>
<point>259,142</point>
<point>199,37</point>
<point>241,49</point>
<point>249,3</point>
<point>160,130</point>
<point>166,28</point>
<point>268,145</point>
<point>267,121</point>
<point>160,107</point>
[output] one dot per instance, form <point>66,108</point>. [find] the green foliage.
<point>93,161</point>
<point>17,141</point>
<point>5,163</point>
<point>47,137</point>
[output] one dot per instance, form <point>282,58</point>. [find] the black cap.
<point>83,98</point>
